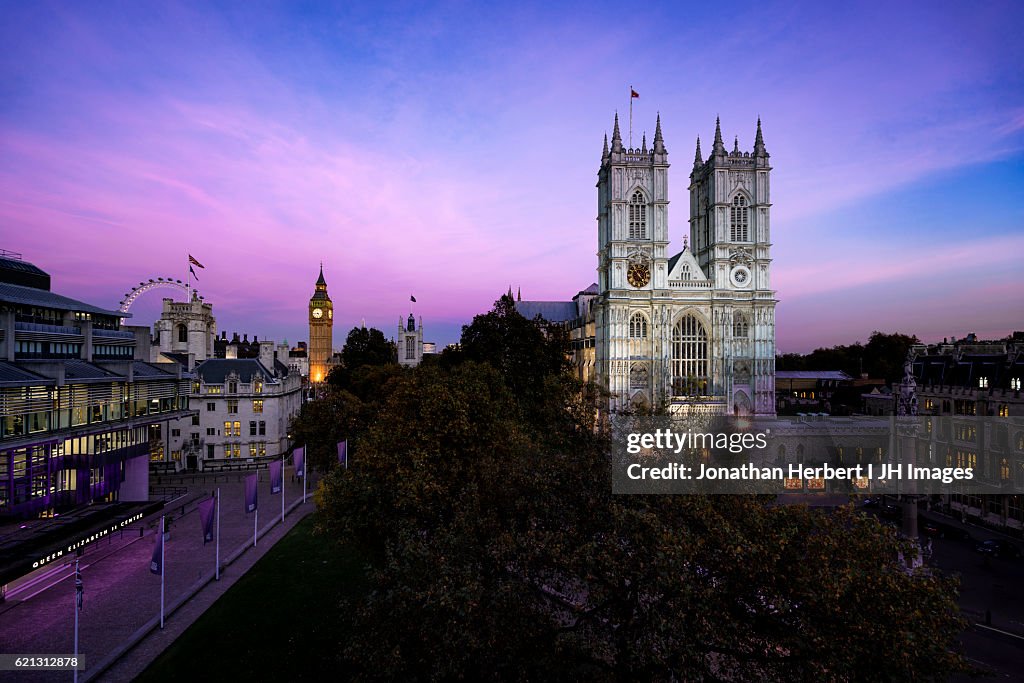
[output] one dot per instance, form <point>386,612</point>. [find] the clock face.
<point>330,314</point>
<point>318,313</point>
<point>638,274</point>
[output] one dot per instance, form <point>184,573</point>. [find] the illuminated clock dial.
<point>330,313</point>
<point>318,313</point>
<point>638,274</point>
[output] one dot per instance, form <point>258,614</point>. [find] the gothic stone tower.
<point>187,328</point>
<point>729,228</point>
<point>410,342</point>
<point>321,330</point>
<point>692,331</point>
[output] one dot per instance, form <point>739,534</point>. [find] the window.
<point>638,326</point>
<point>983,382</point>
<point>739,220</point>
<point>689,357</point>
<point>195,387</point>
<point>214,390</point>
<point>211,431</point>
<point>252,450</point>
<point>1004,410</point>
<point>252,428</point>
<point>637,216</point>
<point>684,272</point>
<point>257,386</point>
<point>232,387</point>
<point>195,420</point>
<point>182,334</point>
<point>410,348</point>
<point>175,432</point>
<point>1015,383</point>
<point>740,326</point>
<point>209,451</point>
<point>638,376</point>
<point>263,428</point>
<point>238,428</point>
<point>232,406</point>
<point>1004,469</point>
<point>227,428</point>
<point>263,448</point>
<point>257,405</point>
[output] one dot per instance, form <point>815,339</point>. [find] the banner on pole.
<point>156,564</point>
<point>275,477</point>
<point>206,510</point>
<point>343,453</point>
<point>250,493</point>
<point>300,461</point>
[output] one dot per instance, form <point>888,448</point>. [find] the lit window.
<point>638,326</point>
<point>227,428</point>
<point>257,405</point>
<point>689,357</point>
<point>637,216</point>
<point>1004,469</point>
<point>257,387</point>
<point>1004,410</point>
<point>252,450</point>
<point>238,428</point>
<point>1015,383</point>
<point>739,220</point>
<point>983,382</point>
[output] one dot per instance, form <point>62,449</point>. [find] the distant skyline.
<point>451,151</point>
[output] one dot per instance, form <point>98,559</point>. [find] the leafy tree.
<point>363,347</point>
<point>499,552</point>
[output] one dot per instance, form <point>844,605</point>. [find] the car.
<point>997,547</point>
<point>939,529</point>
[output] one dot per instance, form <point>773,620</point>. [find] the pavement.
<point>122,598</point>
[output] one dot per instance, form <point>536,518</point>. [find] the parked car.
<point>997,547</point>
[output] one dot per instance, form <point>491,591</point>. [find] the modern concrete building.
<point>79,412</point>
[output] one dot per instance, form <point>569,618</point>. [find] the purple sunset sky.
<point>451,151</point>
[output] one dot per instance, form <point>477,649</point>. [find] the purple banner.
<point>156,564</point>
<point>275,476</point>
<point>343,453</point>
<point>250,493</point>
<point>206,510</point>
<point>300,461</point>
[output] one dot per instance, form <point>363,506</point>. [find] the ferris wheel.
<point>158,283</point>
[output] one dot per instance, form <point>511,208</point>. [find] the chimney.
<point>267,354</point>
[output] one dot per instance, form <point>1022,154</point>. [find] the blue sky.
<point>450,150</point>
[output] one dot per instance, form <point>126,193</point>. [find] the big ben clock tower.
<point>321,330</point>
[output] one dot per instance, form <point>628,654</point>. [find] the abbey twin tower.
<point>692,330</point>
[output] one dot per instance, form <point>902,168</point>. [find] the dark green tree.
<point>363,347</point>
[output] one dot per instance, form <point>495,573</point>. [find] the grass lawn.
<point>281,621</point>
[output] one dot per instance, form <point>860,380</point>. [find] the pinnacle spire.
<point>719,147</point>
<point>698,158</point>
<point>616,136</point>
<point>736,145</point>
<point>604,151</point>
<point>759,149</point>
<point>659,142</point>
<point>643,148</point>
<point>320,281</point>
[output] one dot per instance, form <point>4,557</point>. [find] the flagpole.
<point>78,603</point>
<point>255,522</point>
<point>630,117</point>
<point>303,477</point>
<point>282,488</point>
<point>216,569</point>
<point>163,570</point>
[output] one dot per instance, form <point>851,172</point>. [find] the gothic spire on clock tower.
<point>321,329</point>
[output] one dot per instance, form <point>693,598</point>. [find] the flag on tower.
<point>412,299</point>
<point>633,93</point>
<point>194,262</point>
<point>193,271</point>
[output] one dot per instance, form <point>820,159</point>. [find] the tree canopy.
<point>497,550</point>
<point>881,358</point>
